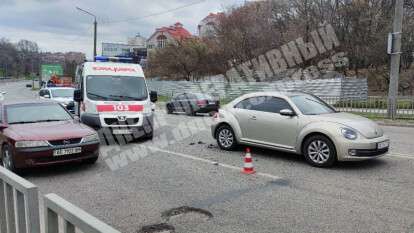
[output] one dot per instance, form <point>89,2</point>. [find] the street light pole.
<point>395,51</point>
<point>95,24</point>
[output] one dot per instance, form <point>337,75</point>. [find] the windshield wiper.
<point>22,122</point>
<point>50,120</point>
<point>98,96</point>
<point>128,97</point>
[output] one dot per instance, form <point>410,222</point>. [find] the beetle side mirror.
<point>287,112</point>
<point>77,96</point>
<point>153,96</point>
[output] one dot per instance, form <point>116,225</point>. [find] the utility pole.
<point>95,24</point>
<point>395,51</point>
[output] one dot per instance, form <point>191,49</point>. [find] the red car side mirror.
<point>2,126</point>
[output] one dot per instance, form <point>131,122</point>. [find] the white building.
<point>136,43</point>
<point>207,26</point>
<point>116,49</point>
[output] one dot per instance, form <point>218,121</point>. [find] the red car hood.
<point>49,131</point>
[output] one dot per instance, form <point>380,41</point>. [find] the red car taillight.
<point>216,116</point>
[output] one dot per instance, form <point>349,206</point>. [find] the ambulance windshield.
<point>116,88</point>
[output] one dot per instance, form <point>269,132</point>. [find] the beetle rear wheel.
<point>226,138</point>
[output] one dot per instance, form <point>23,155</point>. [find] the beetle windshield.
<point>311,105</point>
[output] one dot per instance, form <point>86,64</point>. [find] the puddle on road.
<point>157,228</point>
<point>237,193</point>
<point>182,214</point>
<point>187,212</point>
<point>279,182</point>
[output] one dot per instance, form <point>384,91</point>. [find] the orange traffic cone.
<point>248,163</point>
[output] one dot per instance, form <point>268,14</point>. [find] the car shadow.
<point>56,170</point>
<point>269,153</point>
<point>300,159</point>
<point>365,164</point>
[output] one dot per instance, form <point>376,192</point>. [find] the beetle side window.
<point>244,104</point>
<point>264,104</point>
<point>272,104</point>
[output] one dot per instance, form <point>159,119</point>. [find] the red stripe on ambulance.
<point>120,108</point>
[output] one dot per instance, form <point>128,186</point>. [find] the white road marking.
<point>213,162</point>
<point>398,155</point>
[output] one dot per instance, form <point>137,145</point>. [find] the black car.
<point>193,103</point>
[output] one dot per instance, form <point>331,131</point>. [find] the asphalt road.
<point>140,184</point>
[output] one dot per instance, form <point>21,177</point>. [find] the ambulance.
<point>114,96</point>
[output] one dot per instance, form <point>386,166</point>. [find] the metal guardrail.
<point>375,106</point>
<point>19,204</point>
<point>345,94</point>
<point>73,217</point>
<point>19,210</point>
<point>10,80</point>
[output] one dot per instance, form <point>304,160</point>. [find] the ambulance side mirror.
<point>153,96</point>
<point>77,96</point>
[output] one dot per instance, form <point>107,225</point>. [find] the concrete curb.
<point>396,124</point>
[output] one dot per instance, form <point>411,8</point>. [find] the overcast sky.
<point>57,26</point>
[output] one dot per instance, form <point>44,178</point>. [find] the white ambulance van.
<point>114,95</point>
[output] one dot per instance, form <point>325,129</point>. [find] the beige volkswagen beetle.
<point>298,123</point>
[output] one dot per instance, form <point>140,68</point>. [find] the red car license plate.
<point>67,151</point>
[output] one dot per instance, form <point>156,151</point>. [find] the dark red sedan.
<point>35,133</point>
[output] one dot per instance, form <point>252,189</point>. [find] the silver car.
<point>298,123</point>
<point>62,95</point>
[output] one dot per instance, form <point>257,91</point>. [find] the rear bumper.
<point>208,109</point>
<point>38,157</point>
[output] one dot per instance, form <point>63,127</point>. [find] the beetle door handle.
<point>253,117</point>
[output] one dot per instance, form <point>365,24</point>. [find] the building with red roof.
<point>164,35</point>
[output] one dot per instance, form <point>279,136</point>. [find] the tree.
<point>182,59</point>
<point>8,57</point>
<point>245,32</point>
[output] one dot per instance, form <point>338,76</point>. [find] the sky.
<point>57,26</point>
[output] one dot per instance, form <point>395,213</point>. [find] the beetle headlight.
<point>349,133</point>
<point>91,138</point>
<point>28,144</point>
